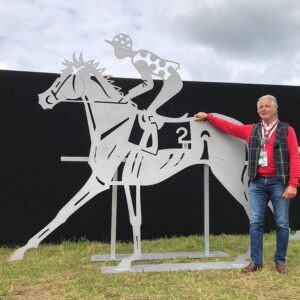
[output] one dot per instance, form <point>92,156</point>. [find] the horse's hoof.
<point>125,264</point>
<point>17,255</point>
<point>243,257</point>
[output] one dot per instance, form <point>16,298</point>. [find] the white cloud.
<point>213,40</point>
<point>4,65</point>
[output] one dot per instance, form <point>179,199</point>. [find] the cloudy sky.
<point>246,41</point>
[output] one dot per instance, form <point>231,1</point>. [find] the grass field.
<point>64,271</point>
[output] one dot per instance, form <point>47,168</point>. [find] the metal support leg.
<point>206,210</point>
<point>151,256</point>
<point>113,232</point>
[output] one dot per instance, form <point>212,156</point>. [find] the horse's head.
<point>77,79</point>
<point>69,85</point>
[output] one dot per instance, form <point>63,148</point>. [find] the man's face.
<point>267,111</point>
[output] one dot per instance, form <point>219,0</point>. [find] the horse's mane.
<point>79,63</point>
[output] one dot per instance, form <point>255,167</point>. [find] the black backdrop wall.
<point>35,184</point>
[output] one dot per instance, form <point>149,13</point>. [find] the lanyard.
<point>266,134</point>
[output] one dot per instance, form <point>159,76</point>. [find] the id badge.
<point>263,159</point>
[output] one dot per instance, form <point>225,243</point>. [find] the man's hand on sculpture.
<point>200,116</point>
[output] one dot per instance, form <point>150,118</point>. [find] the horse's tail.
<point>245,179</point>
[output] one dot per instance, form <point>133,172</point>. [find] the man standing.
<point>274,172</point>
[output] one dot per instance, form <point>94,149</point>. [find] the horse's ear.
<point>80,58</point>
<point>74,58</point>
<point>66,63</point>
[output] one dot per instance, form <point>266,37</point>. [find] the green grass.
<point>64,271</point>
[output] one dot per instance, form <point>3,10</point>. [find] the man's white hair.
<point>272,98</point>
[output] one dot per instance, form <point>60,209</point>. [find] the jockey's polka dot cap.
<point>121,40</point>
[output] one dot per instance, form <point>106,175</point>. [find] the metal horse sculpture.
<point>110,123</point>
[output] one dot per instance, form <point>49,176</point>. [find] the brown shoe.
<point>281,268</point>
<point>252,267</point>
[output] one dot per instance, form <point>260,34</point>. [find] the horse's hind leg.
<point>91,188</point>
<point>238,187</point>
<point>136,221</point>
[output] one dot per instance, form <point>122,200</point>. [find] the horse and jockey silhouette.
<point>110,122</point>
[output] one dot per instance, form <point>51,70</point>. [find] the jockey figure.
<point>148,64</point>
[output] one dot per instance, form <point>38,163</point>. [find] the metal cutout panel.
<point>111,116</point>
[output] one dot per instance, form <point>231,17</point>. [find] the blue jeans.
<point>263,189</point>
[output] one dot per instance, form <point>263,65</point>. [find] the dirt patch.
<point>34,293</point>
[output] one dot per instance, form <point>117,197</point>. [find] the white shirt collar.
<point>269,126</point>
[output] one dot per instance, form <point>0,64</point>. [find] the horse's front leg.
<point>135,221</point>
<point>91,188</point>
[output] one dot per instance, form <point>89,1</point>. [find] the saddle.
<point>148,129</point>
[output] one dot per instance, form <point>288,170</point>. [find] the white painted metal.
<point>113,235</point>
<point>111,116</point>
<point>206,209</point>
<point>160,256</point>
<point>152,256</point>
<point>178,267</point>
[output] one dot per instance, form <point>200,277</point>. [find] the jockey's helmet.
<point>121,40</point>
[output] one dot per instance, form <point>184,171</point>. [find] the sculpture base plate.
<point>177,267</point>
<point>295,236</point>
<point>155,256</point>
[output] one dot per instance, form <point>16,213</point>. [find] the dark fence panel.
<point>35,184</point>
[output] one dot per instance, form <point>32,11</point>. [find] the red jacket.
<point>244,132</point>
